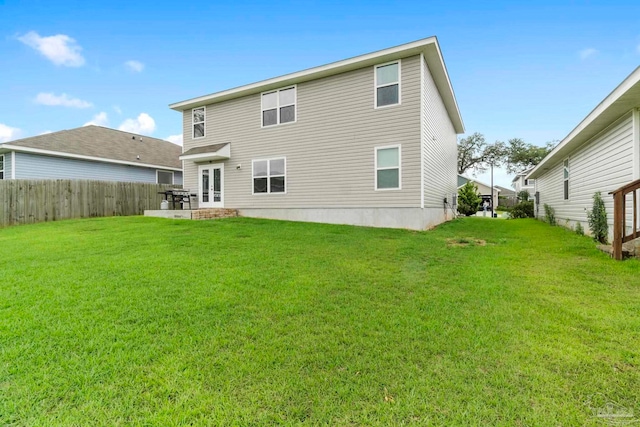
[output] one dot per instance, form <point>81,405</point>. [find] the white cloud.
<point>176,139</point>
<point>7,133</point>
<point>588,53</point>
<point>45,132</point>
<point>59,49</point>
<point>134,66</point>
<point>63,100</point>
<point>99,119</point>
<point>117,109</point>
<point>143,124</point>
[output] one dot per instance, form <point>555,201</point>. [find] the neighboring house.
<point>506,192</point>
<point>522,183</point>
<point>369,140</point>
<point>601,154</point>
<point>92,152</point>
<point>483,189</point>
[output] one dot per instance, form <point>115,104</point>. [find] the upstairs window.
<point>279,106</point>
<point>387,168</point>
<point>198,122</point>
<point>1,166</point>
<point>387,84</point>
<point>529,181</point>
<point>269,176</point>
<point>565,171</point>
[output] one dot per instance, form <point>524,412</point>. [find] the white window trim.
<point>278,106</point>
<point>3,170</point>
<point>162,170</point>
<point>286,185</point>
<point>204,122</point>
<point>375,84</point>
<point>376,169</point>
<point>567,168</point>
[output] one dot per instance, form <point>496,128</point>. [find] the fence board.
<point>29,201</point>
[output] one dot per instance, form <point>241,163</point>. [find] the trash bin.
<point>164,205</point>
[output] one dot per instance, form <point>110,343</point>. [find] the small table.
<point>178,196</point>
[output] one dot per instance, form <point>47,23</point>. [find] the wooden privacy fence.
<point>29,201</point>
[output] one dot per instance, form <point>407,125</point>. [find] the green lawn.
<point>144,321</point>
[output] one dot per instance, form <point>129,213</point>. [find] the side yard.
<point>144,321</point>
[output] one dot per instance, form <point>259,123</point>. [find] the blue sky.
<point>530,70</point>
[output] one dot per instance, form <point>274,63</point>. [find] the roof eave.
<point>7,147</point>
<point>428,47</point>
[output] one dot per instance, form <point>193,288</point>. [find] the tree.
<point>474,154</point>
<point>598,219</point>
<point>520,156</point>
<point>523,196</point>
<point>468,199</point>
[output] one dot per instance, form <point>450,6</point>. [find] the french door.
<point>211,186</point>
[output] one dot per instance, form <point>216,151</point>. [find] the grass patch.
<point>144,321</point>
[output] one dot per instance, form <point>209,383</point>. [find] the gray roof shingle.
<point>108,144</point>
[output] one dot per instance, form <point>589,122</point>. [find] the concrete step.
<point>205,213</point>
<point>628,251</point>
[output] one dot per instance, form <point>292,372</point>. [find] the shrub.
<point>522,210</point>
<point>549,214</point>
<point>579,230</point>
<point>523,196</point>
<point>468,199</point>
<point>598,219</point>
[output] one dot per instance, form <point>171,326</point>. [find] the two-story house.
<point>369,140</point>
<point>521,183</point>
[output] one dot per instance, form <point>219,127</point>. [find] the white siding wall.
<point>440,150</point>
<point>329,150</point>
<point>603,164</point>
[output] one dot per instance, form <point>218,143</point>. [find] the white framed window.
<point>565,181</point>
<point>279,106</point>
<point>1,166</point>
<point>199,116</point>
<point>388,167</point>
<point>529,181</point>
<point>164,177</point>
<point>269,175</point>
<point>387,84</point>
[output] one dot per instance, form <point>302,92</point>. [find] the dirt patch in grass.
<point>466,241</point>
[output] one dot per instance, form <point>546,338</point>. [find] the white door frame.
<point>210,190</point>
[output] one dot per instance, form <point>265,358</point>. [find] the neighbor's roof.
<point>467,179</point>
<point>98,143</point>
<point>504,189</point>
<point>428,47</point>
<point>623,98</point>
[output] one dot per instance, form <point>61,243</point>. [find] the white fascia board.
<point>429,47</point>
<point>82,157</point>
<point>608,103</point>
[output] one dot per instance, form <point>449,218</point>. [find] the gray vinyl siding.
<point>35,166</point>
<point>603,164</point>
<point>329,150</point>
<point>7,165</point>
<point>440,149</point>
